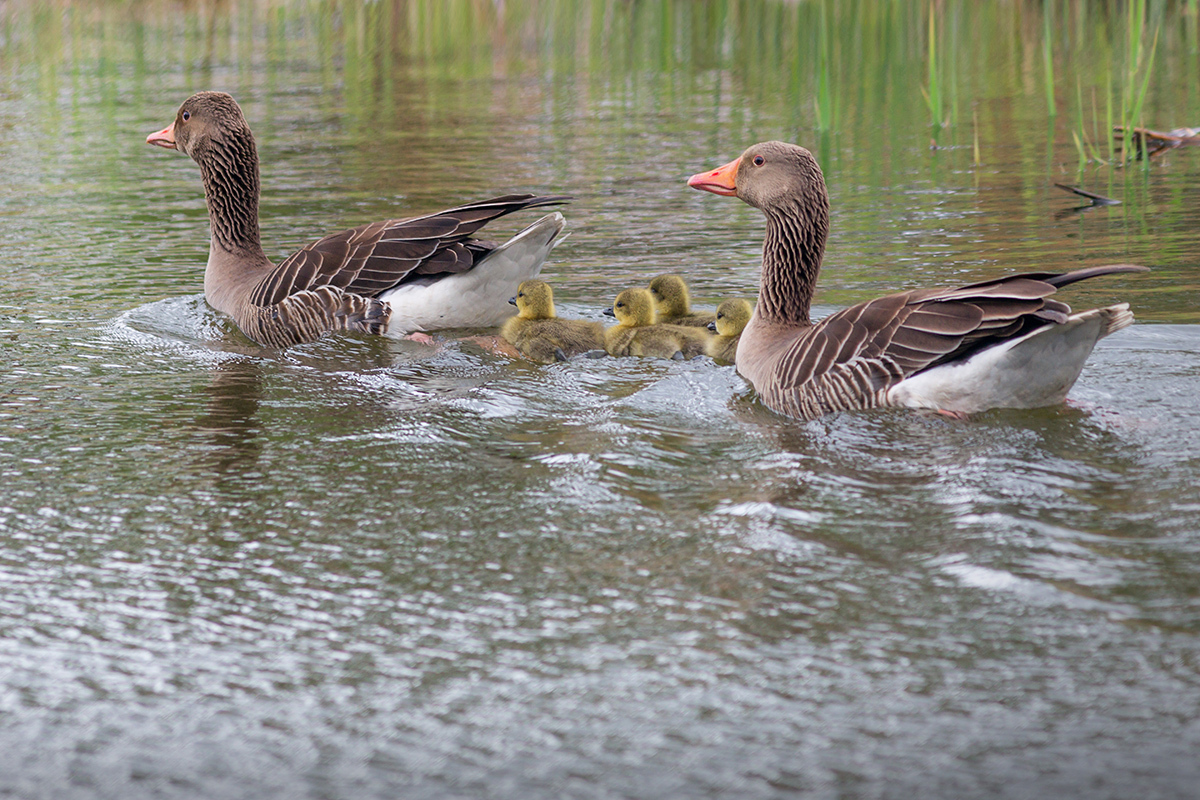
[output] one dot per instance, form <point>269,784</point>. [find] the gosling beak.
<point>712,326</point>
<point>722,180</point>
<point>608,312</point>
<point>164,138</point>
<point>512,301</point>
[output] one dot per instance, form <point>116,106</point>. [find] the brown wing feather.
<point>879,343</point>
<point>375,257</point>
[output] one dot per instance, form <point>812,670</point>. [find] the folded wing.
<point>373,258</point>
<point>864,349</point>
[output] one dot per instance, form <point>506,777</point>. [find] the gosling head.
<point>634,308</point>
<point>670,296</point>
<point>732,316</point>
<point>534,300</point>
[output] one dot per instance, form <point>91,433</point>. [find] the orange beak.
<point>722,180</point>
<point>164,138</point>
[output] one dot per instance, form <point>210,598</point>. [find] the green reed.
<point>1139,66</point>
<point>824,100</point>
<point>976,160</point>
<point>1048,57</point>
<point>933,89</point>
<point>1087,151</point>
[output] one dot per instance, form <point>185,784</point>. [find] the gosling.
<point>636,333</point>
<point>732,316</point>
<point>540,335</point>
<point>674,304</point>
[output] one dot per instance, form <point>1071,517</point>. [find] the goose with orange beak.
<point>1000,343</point>
<point>395,276</point>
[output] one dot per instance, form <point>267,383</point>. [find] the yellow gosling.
<point>732,316</point>
<point>674,304</point>
<point>637,334</point>
<point>540,335</point>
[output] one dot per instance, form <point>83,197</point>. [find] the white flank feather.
<point>1036,370</point>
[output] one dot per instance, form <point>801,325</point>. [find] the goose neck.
<point>792,251</point>
<point>229,169</point>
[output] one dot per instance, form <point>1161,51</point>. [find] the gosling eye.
<point>186,116</point>
<point>759,161</point>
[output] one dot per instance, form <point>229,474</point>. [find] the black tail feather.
<point>1092,272</point>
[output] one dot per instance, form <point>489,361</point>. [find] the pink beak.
<point>164,138</point>
<point>722,180</point>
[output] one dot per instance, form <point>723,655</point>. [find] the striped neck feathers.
<point>229,169</point>
<point>792,251</point>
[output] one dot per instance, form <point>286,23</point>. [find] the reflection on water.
<point>230,420</point>
<point>368,568</point>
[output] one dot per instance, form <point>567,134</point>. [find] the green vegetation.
<point>1139,62</point>
<point>1048,57</point>
<point>933,94</point>
<point>867,75</point>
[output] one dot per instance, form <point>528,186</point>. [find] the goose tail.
<point>1114,318</point>
<point>539,238</point>
<point>1033,370</point>
<point>476,298</point>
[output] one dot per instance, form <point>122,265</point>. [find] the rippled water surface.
<point>370,568</point>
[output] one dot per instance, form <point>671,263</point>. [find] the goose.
<point>390,277</point>
<point>732,316</point>
<point>637,334</point>
<point>540,335</point>
<point>673,304</point>
<point>1001,343</point>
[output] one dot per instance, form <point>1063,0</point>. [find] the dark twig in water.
<point>1097,199</point>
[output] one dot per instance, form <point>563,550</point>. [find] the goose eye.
<point>186,116</point>
<point>759,161</point>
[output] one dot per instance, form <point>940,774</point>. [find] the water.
<point>364,568</point>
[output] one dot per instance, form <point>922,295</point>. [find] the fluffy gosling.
<point>732,316</point>
<point>636,333</point>
<point>540,335</point>
<point>674,304</point>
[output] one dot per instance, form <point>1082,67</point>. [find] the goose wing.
<point>867,348</point>
<point>375,257</point>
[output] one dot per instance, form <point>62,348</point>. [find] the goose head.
<point>210,128</point>
<point>770,176</point>
<point>732,316</point>
<point>534,300</point>
<point>634,308</point>
<point>204,121</point>
<point>670,296</point>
